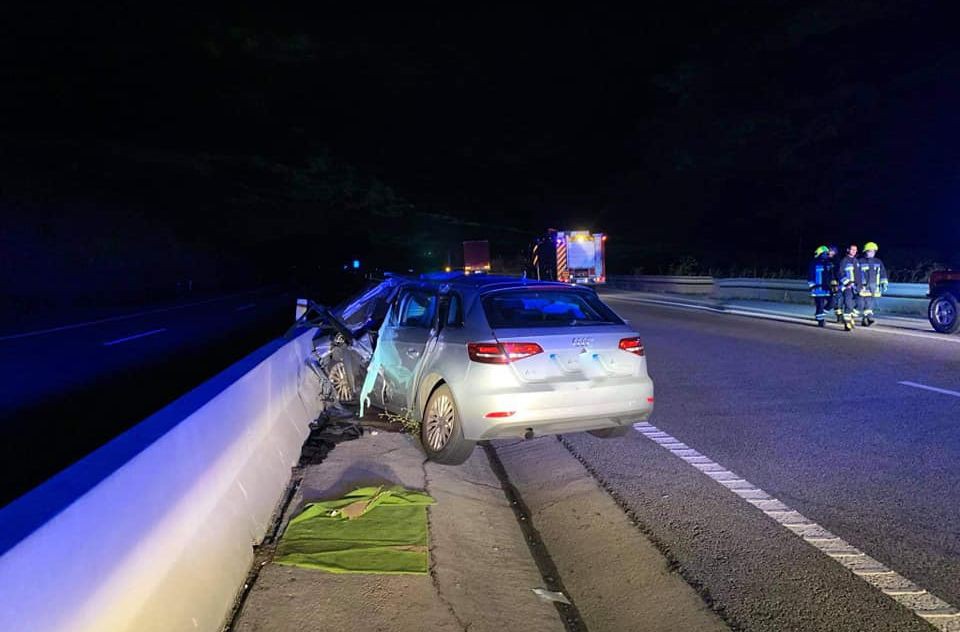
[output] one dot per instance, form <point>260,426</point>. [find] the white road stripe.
<point>933,610</point>
<point>942,391</point>
<point>770,315</point>
<point>245,307</point>
<point>134,337</point>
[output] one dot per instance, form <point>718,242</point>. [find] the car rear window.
<point>546,308</point>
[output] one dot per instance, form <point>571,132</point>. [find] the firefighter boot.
<point>848,322</point>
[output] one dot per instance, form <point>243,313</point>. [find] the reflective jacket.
<point>821,276</point>
<point>872,279</point>
<point>848,273</point>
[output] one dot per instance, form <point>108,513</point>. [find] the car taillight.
<point>632,345</point>
<point>521,350</point>
<point>486,352</point>
<point>502,353</point>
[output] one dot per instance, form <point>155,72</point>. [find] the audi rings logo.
<point>582,342</point>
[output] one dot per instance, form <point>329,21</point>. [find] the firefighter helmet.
<point>871,245</point>
<point>820,251</point>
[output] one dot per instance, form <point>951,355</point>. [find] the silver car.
<point>468,358</point>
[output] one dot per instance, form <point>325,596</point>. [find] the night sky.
<point>152,143</point>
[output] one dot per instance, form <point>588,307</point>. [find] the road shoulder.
<point>617,578</point>
<point>481,572</point>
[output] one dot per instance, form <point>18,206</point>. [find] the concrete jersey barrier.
<point>154,531</point>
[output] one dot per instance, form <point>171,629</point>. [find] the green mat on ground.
<point>370,530</point>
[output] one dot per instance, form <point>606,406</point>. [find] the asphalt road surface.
<point>70,387</point>
<point>821,420</point>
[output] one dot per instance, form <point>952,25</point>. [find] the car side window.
<point>417,310</point>
<point>454,312</point>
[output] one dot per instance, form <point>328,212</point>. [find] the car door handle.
<point>413,352</point>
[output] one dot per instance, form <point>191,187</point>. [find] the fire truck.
<point>573,256</point>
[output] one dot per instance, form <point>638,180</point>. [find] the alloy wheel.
<point>341,385</point>
<point>439,422</point>
<point>944,313</point>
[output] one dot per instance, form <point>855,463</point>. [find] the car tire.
<point>441,432</point>
<point>944,313</point>
<point>610,433</point>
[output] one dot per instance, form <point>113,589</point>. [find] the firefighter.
<point>873,281</point>
<point>847,271</point>
<point>835,298</point>
<point>820,279</point>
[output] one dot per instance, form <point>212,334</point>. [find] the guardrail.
<point>155,530</point>
<point>901,298</point>
<point>702,285</point>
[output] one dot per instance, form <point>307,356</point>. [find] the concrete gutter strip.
<point>481,571</point>
<point>616,576</point>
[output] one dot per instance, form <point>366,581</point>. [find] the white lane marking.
<point>41,332</point>
<point>933,610</point>
<point>134,337</point>
<point>244,307</point>
<point>770,315</point>
<point>943,391</point>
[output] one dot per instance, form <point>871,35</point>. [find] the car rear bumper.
<point>549,411</point>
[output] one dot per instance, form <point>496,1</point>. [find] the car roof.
<point>485,282</point>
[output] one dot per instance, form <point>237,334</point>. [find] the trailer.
<point>476,256</point>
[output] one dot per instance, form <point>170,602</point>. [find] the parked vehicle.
<point>944,310</point>
<point>576,256</point>
<point>480,357</point>
<point>476,256</point>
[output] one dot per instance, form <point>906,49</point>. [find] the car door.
<point>405,342</point>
